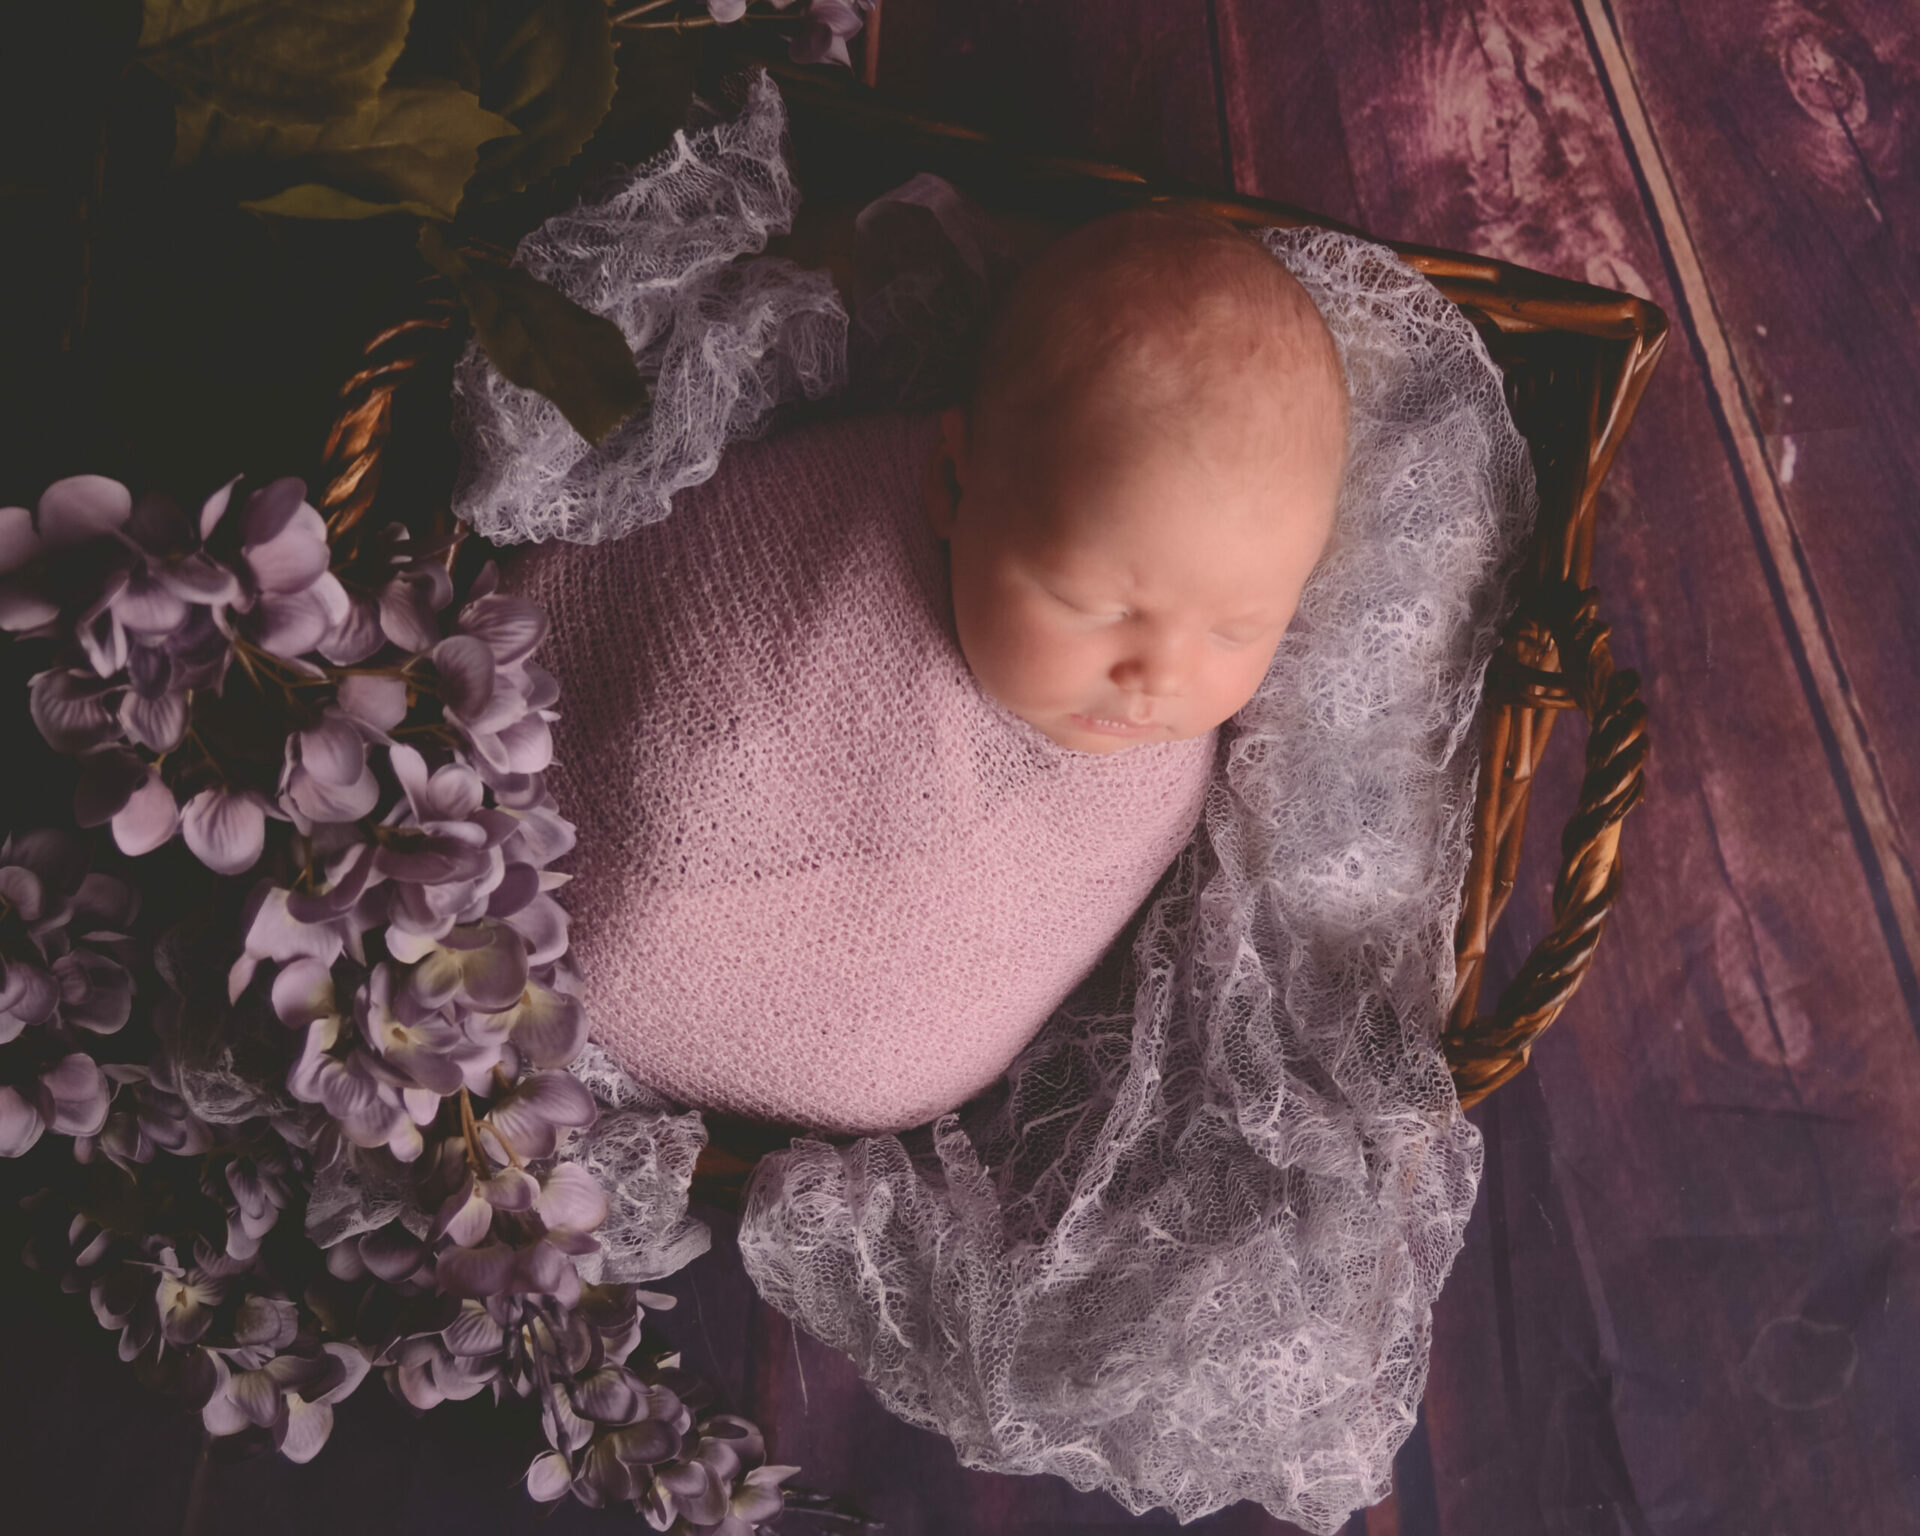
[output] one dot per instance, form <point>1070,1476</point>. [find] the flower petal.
<point>20,1123</point>
<point>82,507</point>
<point>272,509</point>
<point>392,1252</point>
<point>303,992</point>
<point>258,1396</point>
<point>307,1427</point>
<point>74,1096</point>
<point>96,993</point>
<point>476,1272</point>
<point>409,603</point>
<point>22,608</point>
<point>466,672</point>
<point>333,750</point>
<point>106,783</point>
<point>287,624</point>
<point>199,578</point>
<point>159,724</point>
<point>355,635</point>
<point>571,1197</point>
<point>354,1367</point>
<point>380,702</point>
<point>548,1477</point>
<point>18,542</point>
<point>148,819</point>
<point>226,832</point>
<point>214,508</point>
<point>321,801</point>
<point>550,1026</point>
<point>70,708</point>
<point>473,1332</point>
<point>511,626</point>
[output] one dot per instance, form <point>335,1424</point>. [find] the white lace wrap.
<point>1186,1252</point>
<point>724,340</point>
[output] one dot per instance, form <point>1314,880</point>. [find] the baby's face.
<point>1131,586</point>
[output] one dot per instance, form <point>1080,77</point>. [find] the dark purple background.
<point>1687,1300</point>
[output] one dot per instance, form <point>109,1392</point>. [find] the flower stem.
<point>640,10</point>
<point>476,1158</point>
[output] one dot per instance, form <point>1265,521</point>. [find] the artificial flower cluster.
<point>387,1003</point>
<point>823,40</point>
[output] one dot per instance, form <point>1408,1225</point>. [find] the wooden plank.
<point>1722,1091</point>
<point>1128,80</point>
<point>1827,286</point>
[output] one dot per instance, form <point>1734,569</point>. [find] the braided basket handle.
<point>1491,1049</point>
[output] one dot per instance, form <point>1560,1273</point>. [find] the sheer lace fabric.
<point>1186,1250</point>
<point>723,340</point>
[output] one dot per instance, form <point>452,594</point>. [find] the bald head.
<point>1143,324</point>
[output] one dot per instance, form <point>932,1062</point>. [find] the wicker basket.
<point>1575,359</point>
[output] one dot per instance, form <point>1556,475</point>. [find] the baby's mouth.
<point>1116,727</point>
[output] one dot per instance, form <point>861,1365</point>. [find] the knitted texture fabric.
<point>1185,1249</point>
<point>823,877</point>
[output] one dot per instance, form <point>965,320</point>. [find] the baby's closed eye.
<point>1232,635</point>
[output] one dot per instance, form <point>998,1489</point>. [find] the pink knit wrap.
<point>823,878</point>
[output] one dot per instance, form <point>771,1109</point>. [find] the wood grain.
<point>1724,1133</point>
<point>1688,1297</point>
<point>1132,80</point>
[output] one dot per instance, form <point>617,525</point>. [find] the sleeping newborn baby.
<point>878,742</point>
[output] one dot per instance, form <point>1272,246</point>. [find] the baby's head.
<point>1142,478</point>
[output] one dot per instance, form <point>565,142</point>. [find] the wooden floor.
<point>1689,1301</point>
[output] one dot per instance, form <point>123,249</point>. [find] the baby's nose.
<point>1157,666</point>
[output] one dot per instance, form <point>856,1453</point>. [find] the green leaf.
<point>310,200</point>
<point>541,340</point>
<point>412,148</point>
<point>547,65</point>
<point>277,61</point>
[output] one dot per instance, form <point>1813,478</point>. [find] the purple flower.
<point>118,787</point>
<point>73,511</point>
<point>382,1094</point>
<point>546,1025</point>
<point>292,1395</point>
<point>186,1298</point>
<point>525,1122</point>
<point>489,689</point>
<point>441,855</point>
<point>259,1186</point>
<point>291,602</point>
<point>21,1124</point>
<point>829,24</point>
<point>394,595</point>
<point>412,1039</point>
<point>726,12</point>
<point>67,978</point>
<point>482,966</point>
<point>284,925</point>
<point>226,830</point>
<point>157,619</point>
<point>327,776</point>
<point>73,709</point>
<point>427,1373</point>
<point>158,1120</point>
